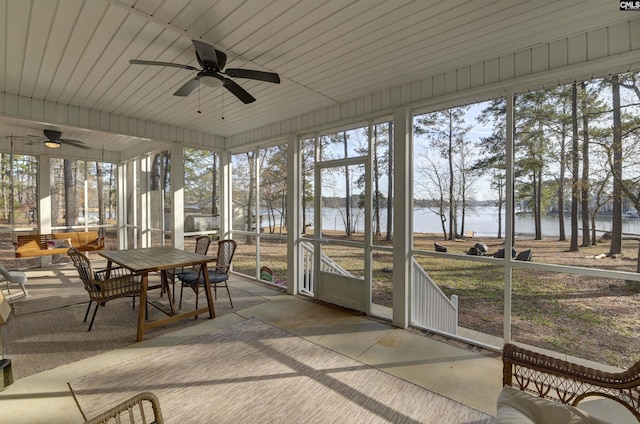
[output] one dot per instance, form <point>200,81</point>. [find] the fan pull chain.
<point>199,111</point>
<point>222,104</point>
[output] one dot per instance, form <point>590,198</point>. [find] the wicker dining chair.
<point>169,275</point>
<point>104,285</point>
<point>218,275</point>
<point>133,410</point>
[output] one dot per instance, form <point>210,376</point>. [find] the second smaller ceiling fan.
<point>53,139</point>
<point>212,62</point>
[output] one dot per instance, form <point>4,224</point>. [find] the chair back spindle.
<point>202,247</point>
<point>226,249</point>
<point>82,264</point>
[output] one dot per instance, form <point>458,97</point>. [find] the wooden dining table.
<point>152,259</point>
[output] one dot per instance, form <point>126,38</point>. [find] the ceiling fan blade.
<point>206,55</point>
<point>24,139</point>
<point>74,143</point>
<point>238,91</point>
<point>254,75</point>
<point>187,87</point>
<point>171,64</point>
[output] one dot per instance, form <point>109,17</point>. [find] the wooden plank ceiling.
<point>77,52</point>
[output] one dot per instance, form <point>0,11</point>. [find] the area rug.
<point>51,289</point>
<point>57,286</point>
<point>44,340</point>
<point>254,372</point>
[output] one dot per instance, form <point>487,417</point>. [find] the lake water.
<point>483,222</point>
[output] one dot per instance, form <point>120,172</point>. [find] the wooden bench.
<point>39,244</point>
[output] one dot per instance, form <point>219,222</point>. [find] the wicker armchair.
<point>566,382</point>
<point>132,411</point>
<point>104,285</point>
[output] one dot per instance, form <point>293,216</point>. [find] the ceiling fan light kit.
<point>53,144</point>
<point>211,81</point>
<point>212,75</point>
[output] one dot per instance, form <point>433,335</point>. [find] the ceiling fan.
<point>53,139</point>
<point>212,62</point>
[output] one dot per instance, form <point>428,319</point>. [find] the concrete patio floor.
<point>461,374</point>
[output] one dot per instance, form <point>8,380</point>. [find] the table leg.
<point>143,305</point>
<point>207,290</point>
<point>108,273</point>
<point>165,287</point>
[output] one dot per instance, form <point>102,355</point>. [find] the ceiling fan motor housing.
<point>52,135</point>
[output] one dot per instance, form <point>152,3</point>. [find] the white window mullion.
<point>508,240</point>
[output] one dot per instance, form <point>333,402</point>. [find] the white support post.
<point>177,192</point>
<point>85,211</point>
<point>368,221</point>
<point>402,219</point>
<point>143,196</point>
<point>44,194</point>
<point>317,218</point>
<point>44,201</point>
<point>123,191</point>
<point>294,206</point>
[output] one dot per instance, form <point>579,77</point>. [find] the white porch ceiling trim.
<point>591,54</point>
<point>142,135</point>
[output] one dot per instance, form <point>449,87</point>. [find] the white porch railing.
<point>307,269</point>
<point>326,264</point>
<point>430,307</point>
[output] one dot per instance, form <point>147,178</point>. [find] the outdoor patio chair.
<point>202,247</point>
<point>525,255</point>
<point>500,253</point>
<point>440,248</point>
<point>218,275</point>
<point>141,408</point>
<point>104,285</point>
<point>13,277</point>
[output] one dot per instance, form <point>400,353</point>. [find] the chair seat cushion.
<point>121,290</point>
<point>216,277</point>
<point>191,277</point>
<point>117,287</point>
<point>188,277</point>
<point>516,406</point>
